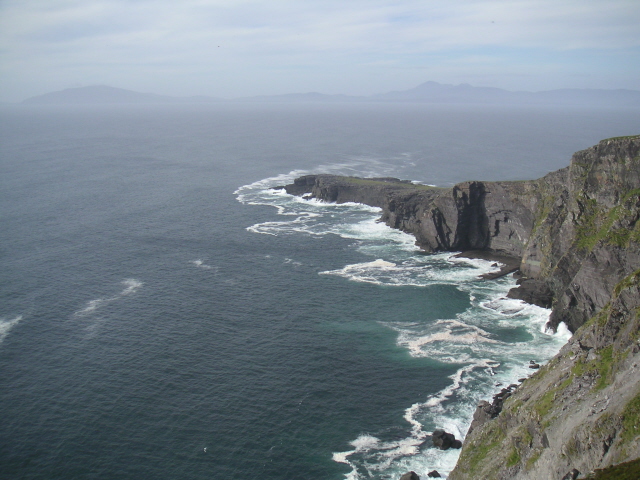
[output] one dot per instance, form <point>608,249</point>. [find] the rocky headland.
<point>574,238</point>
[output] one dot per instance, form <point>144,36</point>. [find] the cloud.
<point>132,38</point>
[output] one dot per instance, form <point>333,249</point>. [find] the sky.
<point>236,48</point>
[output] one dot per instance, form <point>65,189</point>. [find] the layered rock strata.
<point>576,237</point>
<point>574,232</point>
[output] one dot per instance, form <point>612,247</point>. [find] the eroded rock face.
<point>585,237</point>
<point>575,230</point>
<point>580,412</point>
<point>577,234</point>
<point>445,440</point>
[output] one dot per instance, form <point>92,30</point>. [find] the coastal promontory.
<point>574,237</point>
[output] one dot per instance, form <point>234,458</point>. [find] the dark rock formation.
<point>444,440</point>
<point>580,411</point>
<point>486,411</point>
<point>434,474</point>
<point>574,232</point>
<point>410,476</point>
<point>533,291</point>
<point>576,235</point>
<point>572,475</point>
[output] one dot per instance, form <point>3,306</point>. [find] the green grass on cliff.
<point>596,223</point>
<point>492,436</point>
<point>631,420</point>
<point>629,281</point>
<point>623,471</point>
<point>381,183</point>
<point>619,138</point>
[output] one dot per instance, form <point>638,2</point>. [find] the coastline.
<point>510,264</point>
<point>573,236</point>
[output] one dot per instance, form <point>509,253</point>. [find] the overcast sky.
<point>233,48</point>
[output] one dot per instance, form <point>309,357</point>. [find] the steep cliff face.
<point>576,230</point>
<point>586,235</point>
<point>577,234</point>
<point>581,411</point>
<point>495,216</point>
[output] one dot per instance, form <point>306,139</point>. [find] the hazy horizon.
<point>434,91</point>
<point>249,48</point>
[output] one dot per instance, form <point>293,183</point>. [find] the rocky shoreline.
<point>573,240</point>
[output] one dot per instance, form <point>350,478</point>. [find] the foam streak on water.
<point>489,343</point>
<point>131,285</point>
<point>6,325</point>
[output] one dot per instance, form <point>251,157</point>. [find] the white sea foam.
<point>7,325</point>
<point>92,306</point>
<point>563,333</point>
<point>292,262</point>
<point>131,285</point>
<point>468,341</point>
<point>419,270</point>
<point>200,264</point>
<point>475,341</point>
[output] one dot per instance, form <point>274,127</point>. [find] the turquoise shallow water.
<point>159,299</point>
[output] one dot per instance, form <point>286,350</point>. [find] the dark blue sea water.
<point>164,314</point>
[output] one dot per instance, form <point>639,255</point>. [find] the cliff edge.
<point>573,232</point>
<point>576,237</point>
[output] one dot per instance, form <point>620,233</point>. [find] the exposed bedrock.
<point>579,412</point>
<point>576,235</point>
<point>575,231</point>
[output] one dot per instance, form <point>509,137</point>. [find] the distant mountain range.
<point>102,94</point>
<point>428,92</point>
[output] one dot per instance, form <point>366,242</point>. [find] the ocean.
<point>166,314</point>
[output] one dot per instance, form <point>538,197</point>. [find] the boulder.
<point>444,440</point>
<point>434,474</point>
<point>410,476</point>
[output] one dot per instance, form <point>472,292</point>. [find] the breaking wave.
<point>489,344</point>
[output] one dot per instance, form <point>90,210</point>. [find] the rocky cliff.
<point>574,231</point>
<point>578,413</point>
<point>576,235</point>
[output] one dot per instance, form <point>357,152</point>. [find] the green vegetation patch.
<point>533,459</point>
<point>492,436</point>
<point>631,420</point>
<point>545,404</point>
<point>513,458</point>
<point>629,281</point>
<point>394,184</point>
<point>620,138</point>
<point>512,405</point>
<point>604,365</point>
<point>598,224</point>
<point>588,223</point>
<point>623,471</point>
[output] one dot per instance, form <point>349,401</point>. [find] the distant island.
<point>428,92</point>
<point>105,95</point>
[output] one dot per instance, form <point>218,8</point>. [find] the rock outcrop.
<point>410,476</point>
<point>574,232</point>
<point>576,236</point>
<point>445,440</point>
<point>579,412</point>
